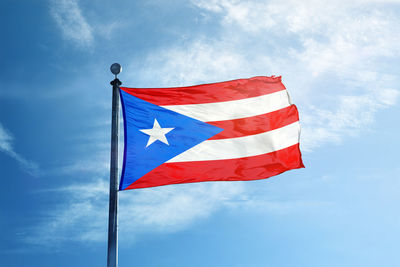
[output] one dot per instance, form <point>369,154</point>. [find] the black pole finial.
<point>116,69</point>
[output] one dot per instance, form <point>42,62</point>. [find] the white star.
<point>157,133</point>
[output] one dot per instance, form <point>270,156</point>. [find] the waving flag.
<point>243,129</point>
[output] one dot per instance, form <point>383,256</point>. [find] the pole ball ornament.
<point>116,68</point>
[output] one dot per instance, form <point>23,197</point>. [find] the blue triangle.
<point>140,114</point>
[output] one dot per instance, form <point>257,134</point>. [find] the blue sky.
<point>339,61</point>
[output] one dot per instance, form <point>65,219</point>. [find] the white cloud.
<point>73,24</point>
<point>81,217</point>
<point>95,165</point>
<point>165,209</point>
<point>106,30</point>
<point>201,61</point>
<point>352,114</point>
<point>6,146</point>
<point>291,16</point>
<point>5,139</point>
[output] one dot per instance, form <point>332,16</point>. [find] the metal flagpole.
<point>112,255</point>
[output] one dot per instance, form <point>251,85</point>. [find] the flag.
<point>244,129</point>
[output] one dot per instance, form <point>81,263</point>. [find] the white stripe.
<point>235,109</point>
<point>240,147</point>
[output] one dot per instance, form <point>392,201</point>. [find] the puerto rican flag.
<point>238,130</point>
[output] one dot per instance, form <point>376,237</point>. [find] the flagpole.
<point>112,255</point>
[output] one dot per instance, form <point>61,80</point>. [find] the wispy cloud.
<point>73,24</point>
<point>352,114</point>
<point>165,209</point>
<point>198,61</point>
<point>6,146</point>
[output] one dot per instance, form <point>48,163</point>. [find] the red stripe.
<point>209,93</point>
<point>250,168</point>
<point>257,124</point>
